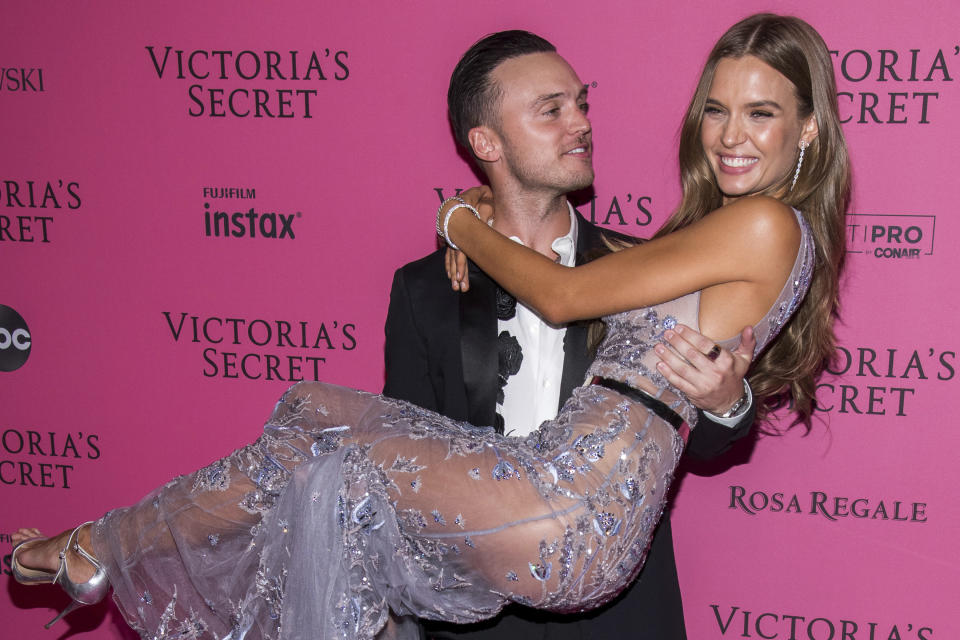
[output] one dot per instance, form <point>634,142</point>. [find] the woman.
<point>350,502</point>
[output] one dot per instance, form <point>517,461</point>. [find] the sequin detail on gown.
<point>350,505</point>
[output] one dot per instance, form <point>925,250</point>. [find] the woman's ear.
<point>810,130</point>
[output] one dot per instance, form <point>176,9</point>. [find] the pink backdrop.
<point>154,344</point>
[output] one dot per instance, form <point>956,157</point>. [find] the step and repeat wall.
<point>201,203</point>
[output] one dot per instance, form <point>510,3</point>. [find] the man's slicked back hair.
<point>473,97</point>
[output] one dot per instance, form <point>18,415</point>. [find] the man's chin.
<point>580,182</point>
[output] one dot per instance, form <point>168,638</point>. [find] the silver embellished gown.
<point>351,505</point>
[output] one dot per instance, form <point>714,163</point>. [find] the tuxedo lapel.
<point>575,356</point>
<point>575,359</point>
<point>589,240</point>
<point>478,346</point>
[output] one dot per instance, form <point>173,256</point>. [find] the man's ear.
<point>485,143</point>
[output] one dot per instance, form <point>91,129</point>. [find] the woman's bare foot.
<point>44,553</point>
<point>25,534</point>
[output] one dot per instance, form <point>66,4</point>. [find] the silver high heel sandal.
<point>90,592</point>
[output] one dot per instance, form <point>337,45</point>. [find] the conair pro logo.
<point>14,340</point>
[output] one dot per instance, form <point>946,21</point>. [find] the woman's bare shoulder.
<point>761,219</point>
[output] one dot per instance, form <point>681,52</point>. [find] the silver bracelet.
<point>440,211</point>
<point>446,221</point>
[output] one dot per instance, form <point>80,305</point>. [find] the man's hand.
<point>713,383</point>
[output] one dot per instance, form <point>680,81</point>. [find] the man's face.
<point>545,135</point>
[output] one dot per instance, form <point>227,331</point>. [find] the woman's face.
<point>751,129</point>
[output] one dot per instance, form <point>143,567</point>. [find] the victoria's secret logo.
<point>894,87</point>
<point>258,349</point>
<point>44,459</point>
<point>20,198</point>
<point>737,622</point>
<point>881,382</point>
<point>620,210</point>
<point>291,78</point>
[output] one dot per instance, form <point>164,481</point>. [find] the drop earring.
<point>796,174</point>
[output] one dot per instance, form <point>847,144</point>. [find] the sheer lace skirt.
<point>350,505</point>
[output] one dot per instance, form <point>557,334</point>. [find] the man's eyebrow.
<point>547,98</point>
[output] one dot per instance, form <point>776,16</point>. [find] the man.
<point>478,355</point>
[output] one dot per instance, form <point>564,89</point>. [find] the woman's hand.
<point>456,261</point>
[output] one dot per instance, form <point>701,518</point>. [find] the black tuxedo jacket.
<point>441,353</point>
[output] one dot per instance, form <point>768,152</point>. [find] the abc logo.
<point>15,340</point>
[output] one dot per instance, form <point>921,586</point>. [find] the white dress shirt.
<point>532,395</point>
